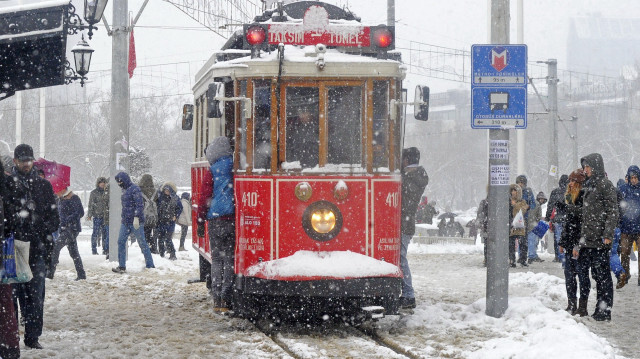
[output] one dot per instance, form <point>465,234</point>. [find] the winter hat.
<point>541,196</point>
<point>412,155</point>
<point>218,148</point>
<point>101,180</point>
<point>23,152</point>
<point>577,176</point>
<point>521,179</point>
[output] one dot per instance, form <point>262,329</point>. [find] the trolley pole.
<point>391,12</point>
<point>119,131</point>
<point>552,82</point>
<point>498,241</point>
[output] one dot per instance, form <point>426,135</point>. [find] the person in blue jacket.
<point>132,222</point>
<point>221,218</point>
<point>629,207</point>
<point>71,211</point>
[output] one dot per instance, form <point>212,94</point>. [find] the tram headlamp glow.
<point>323,220</point>
<point>255,35</point>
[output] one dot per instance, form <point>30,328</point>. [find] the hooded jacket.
<point>71,211</point>
<point>520,205</point>
<point>132,203</point>
<point>557,198</point>
<point>630,204</point>
<point>185,216</point>
<point>169,207</point>
<point>413,184</point>
<point>99,201</point>
<point>600,205</point>
<point>146,186</point>
<point>220,157</point>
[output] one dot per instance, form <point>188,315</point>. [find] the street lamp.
<point>93,10</point>
<point>82,58</point>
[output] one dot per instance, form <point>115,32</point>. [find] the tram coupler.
<point>373,312</point>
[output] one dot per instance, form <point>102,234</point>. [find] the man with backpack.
<point>149,196</point>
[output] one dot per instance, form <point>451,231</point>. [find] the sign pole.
<point>497,298</point>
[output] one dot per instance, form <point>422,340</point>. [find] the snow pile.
<point>453,248</point>
<point>339,264</point>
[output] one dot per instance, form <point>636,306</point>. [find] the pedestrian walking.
<point>9,336</point>
<point>149,196</point>
<point>184,220</point>
<point>414,181</point>
<point>629,206</point>
<point>132,222</point>
<point>517,226</point>
<point>600,218</point>
<point>555,214</point>
<point>533,236</point>
<point>35,217</point>
<point>482,218</point>
<point>221,218</point>
<point>575,266</point>
<point>98,212</point>
<point>169,209</point>
<point>71,211</point>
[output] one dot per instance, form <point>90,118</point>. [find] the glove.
<point>136,223</point>
<point>200,230</point>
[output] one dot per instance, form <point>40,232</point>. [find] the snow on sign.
<point>316,29</point>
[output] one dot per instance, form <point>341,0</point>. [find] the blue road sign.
<point>499,86</point>
<point>499,107</point>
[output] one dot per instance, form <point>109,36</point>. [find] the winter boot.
<point>582,307</point>
<point>173,257</point>
<point>571,307</point>
<point>622,281</point>
<point>601,315</point>
<point>181,249</point>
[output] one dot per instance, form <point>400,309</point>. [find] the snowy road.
<point>156,314</point>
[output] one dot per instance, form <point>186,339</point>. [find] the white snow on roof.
<point>339,264</point>
<point>24,5</point>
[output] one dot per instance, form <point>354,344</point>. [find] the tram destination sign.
<point>499,86</point>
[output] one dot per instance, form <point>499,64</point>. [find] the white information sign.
<point>499,150</point>
<point>553,171</point>
<point>500,175</point>
<point>120,157</point>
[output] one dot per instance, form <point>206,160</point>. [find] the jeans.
<point>532,240</point>
<point>183,234</point>
<point>557,232</point>
<point>125,230</point>
<point>222,238</point>
<point>577,267</point>
<point>100,229</point>
<point>407,286</point>
<point>31,298</point>
<point>614,259</point>
<point>67,238</point>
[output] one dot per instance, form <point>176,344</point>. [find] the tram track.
<point>331,342</point>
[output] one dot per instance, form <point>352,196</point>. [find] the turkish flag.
<point>132,54</point>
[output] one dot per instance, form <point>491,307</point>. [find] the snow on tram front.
<point>309,98</point>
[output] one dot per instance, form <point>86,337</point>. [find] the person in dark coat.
<point>35,217</point>
<point>169,209</point>
<point>570,240</point>
<point>149,193</point>
<point>599,219</point>
<point>184,220</point>
<point>9,337</point>
<point>98,212</point>
<point>221,218</point>
<point>556,199</point>
<point>629,220</point>
<point>71,211</point>
<point>414,181</point>
<point>132,222</point>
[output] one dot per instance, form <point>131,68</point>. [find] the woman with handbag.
<point>517,211</point>
<point>9,337</point>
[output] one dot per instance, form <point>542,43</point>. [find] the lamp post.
<point>93,10</point>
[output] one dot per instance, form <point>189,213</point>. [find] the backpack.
<point>150,212</point>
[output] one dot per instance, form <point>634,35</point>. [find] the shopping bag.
<point>21,272</point>
<point>518,220</point>
<point>540,229</point>
<point>8,270</point>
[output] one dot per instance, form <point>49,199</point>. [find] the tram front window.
<point>302,125</point>
<point>345,125</point>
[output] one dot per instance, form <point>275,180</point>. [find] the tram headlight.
<point>322,221</point>
<point>255,35</point>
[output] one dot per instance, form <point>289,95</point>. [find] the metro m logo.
<point>499,58</point>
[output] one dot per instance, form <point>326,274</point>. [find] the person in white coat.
<point>185,218</point>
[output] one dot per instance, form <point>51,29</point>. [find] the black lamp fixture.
<point>82,57</point>
<point>93,10</point>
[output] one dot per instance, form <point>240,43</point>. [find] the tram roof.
<point>299,61</point>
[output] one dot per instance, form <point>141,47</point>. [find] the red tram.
<point>309,97</point>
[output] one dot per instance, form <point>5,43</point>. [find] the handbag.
<point>518,220</point>
<point>540,229</point>
<point>15,261</point>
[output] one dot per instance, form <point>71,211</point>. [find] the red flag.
<point>132,54</point>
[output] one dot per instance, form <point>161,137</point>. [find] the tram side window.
<point>242,129</point>
<point>380,124</point>
<point>345,125</point>
<point>302,107</point>
<point>262,125</point>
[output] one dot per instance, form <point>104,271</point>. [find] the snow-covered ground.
<point>156,314</point>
